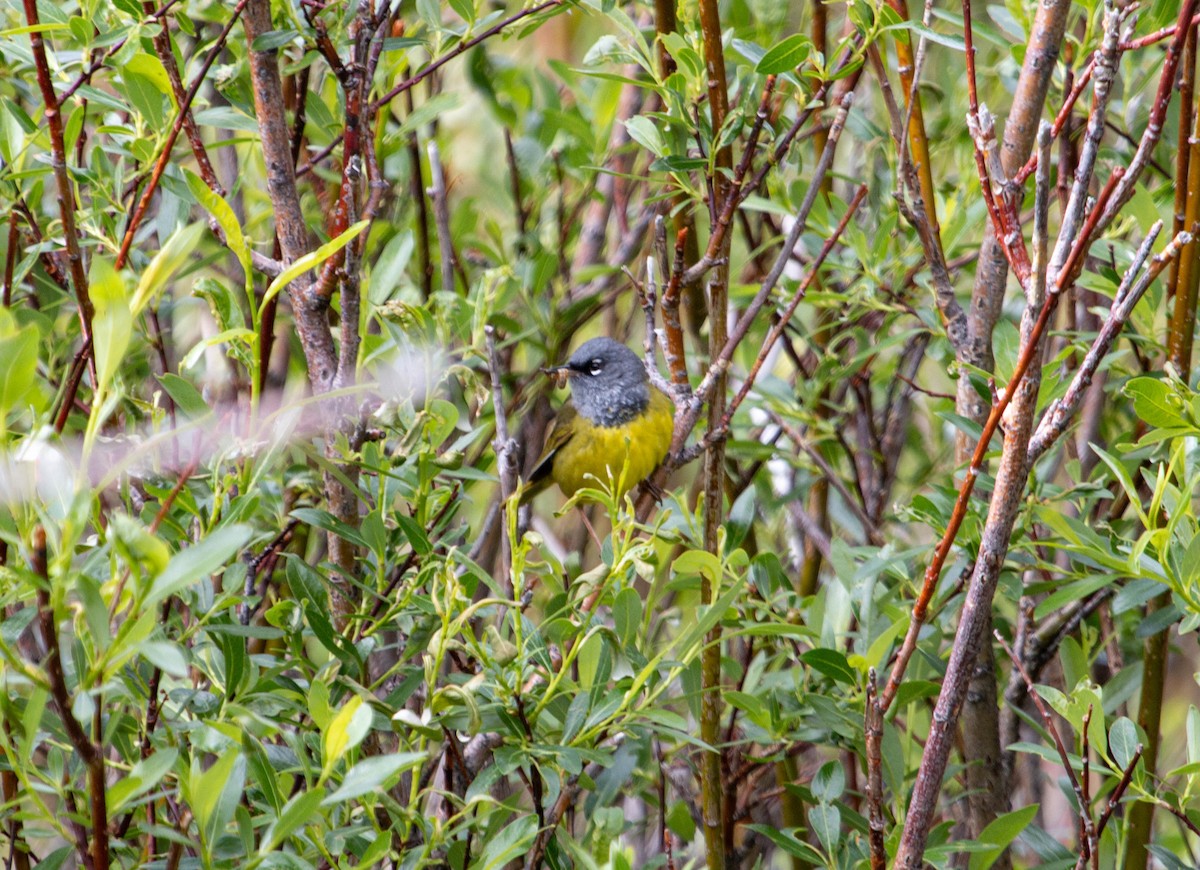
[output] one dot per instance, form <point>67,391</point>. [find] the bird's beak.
<point>558,374</point>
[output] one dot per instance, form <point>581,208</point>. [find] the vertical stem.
<point>1185,276</point>
<point>10,257</point>
<point>1183,151</point>
<point>66,194</point>
<point>918,141</point>
<point>715,839</point>
<point>89,752</point>
<point>818,494</point>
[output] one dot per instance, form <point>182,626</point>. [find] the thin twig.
<point>181,117</point>
<point>873,732</point>
<point>433,67</point>
<point>66,193</point>
<point>1048,720</point>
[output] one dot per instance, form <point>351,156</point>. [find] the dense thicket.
<point>919,581</point>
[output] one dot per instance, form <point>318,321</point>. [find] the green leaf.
<point>112,324</point>
<point>919,30</point>
<point>577,714</point>
<point>347,729</point>
<point>1155,402</point>
<point>327,521</point>
<point>144,776</point>
<point>699,562</point>
<point>223,214</point>
<point>627,616</point>
<point>167,657</point>
<point>373,774</point>
<point>1123,741</point>
<point>199,560</point>
<point>829,783</point>
<point>238,338</point>
<point>215,794</point>
<point>1000,833</point>
<point>274,39</point>
<point>145,84</point>
<point>169,259</point>
<point>464,9</point>
<point>186,397</point>
<point>312,260</point>
<point>644,131</point>
<point>790,843</point>
<point>785,56</point>
<point>832,664</point>
<point>19,350</point>
<point>296,813</point>
<point>826,822</point>
<point>513,841</point>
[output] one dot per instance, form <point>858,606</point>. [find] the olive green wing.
<point>562,431</point>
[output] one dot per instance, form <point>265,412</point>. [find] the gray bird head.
<point>608,381</point>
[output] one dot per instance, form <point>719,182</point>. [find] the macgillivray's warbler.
<point>616,427</point>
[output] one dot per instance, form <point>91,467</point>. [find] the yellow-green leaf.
<point>312,260</point>
<point>112,325</point>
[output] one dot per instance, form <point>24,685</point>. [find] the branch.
<point>1158,111</point>
<point>506,455</point>
<point>1055,420</point>
<point>66,194</point>
<point>673,345</point>
<point>88,751</point>
<point>291,228</point>
<point>781,324</point>
<point>734,196</point>
<point>873,733</point>
<point>182,117</point>
<point>433,67</point>
<point>1089,838</point>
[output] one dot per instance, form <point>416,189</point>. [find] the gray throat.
<point>611,406</point>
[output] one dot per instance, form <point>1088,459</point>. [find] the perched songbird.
<point>616,427</point>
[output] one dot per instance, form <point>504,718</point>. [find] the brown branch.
<point>88,751</point>
<point>718,835</point>
<point>1061,410</point>
<point>10,258</point>
<point>673,347</point>
<point>1119,791</point>
<point>911,201</point>
<point>182,117</point>
<point>1158,112</point>
<point>1062,266</point>
<point>162,47</point>
<point>785,317</point>
<point>873,733</point>
<point>311,322</point>
<point>66,193</point>
<point>433,67</point>
<point>716,241</point>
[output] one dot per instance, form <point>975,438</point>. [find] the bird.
<point>614,430</point>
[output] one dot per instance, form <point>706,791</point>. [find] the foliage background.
<point>267,601</point>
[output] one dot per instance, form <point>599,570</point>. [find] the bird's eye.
<point>595,366</point>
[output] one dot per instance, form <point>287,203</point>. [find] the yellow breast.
<point>619,456</point>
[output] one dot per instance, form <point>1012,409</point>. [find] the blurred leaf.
<point>112,325</point>
<point>198,561</point>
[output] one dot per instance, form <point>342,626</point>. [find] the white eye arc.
<point>595,367</point>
